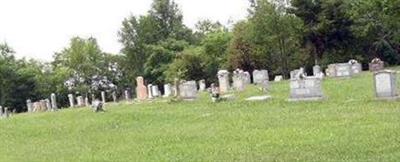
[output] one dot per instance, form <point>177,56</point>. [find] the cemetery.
<point>373,94</point>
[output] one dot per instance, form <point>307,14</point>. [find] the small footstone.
<point>258,98</point>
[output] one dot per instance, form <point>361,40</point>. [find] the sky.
<point>38,28</point>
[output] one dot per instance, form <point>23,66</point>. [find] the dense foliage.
<point>275,36</point>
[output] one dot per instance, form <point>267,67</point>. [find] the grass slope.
<point>349,126</point>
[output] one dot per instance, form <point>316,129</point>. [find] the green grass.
<point>350,125</point>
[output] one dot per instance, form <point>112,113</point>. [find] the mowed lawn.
<point>350,125</point>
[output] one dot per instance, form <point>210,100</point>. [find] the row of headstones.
<point>43,105</point>
<point>241,79</point>
<point>184,89</point>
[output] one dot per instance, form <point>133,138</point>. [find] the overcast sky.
<point>38,28</point>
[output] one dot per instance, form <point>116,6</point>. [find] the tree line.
<point>275,36</point>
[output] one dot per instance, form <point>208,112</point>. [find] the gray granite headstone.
<point>278,78</point>
<point>167,90</point>
<point>29,105</point>
<point>188,90</point>
<point>202,85</point>
<point>155,91</point>
<point>53,98</point>
<point>247,77</point>
<point>355,66</point>
<point>343,70</point>
<point>306,89</point>
<point>239,80</point>
<point>259,76</point>
<point>71,100</point>
<point>385,84</point>
<point>149,89</point>
<point>223,79</point>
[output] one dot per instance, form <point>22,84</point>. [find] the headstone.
<point>127,96</point>
<point>43,105</point>
<point>29,105</point>
<point>167,90</point>
<point>294,74</point>
<point>53,98</point>
<point>223,79</point>
<point>331,70</point>
<point>87,104</point>
<point>316,70</point>
<point>103,97</point>
<point>239,80</point>
<point>385,84</point>
<point>259,76</point>
<point>141,89</point>
<point>376,65</point>
<point>247,78</point>
<point>355,66</point>
<point>149,89</point>
<point>343,70</point>
<point>71,100</point>
<point>306,89</point>
<point>114,96</point>
<point>155,91</point>
<point>202,85</point>
<point>1,112</point>
<point>188,90</point>
<point>80,102</point>
<point>278,78</point>
<point>6,113</point>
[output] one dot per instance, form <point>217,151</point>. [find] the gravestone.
<point>80,102</point>
<point>103,97</point>
<point>97,106</point>
<point>223,80</point>
<point>43,105</point>
<point>247,78</point>
<point>355,66</point>
<point>278,78</point>
<point>155,91</point>
<point>306,89</point>
<point>167,90</point>
<point>176,88</point>
<point>258,98</point>
<point>127,96</point>
<point>376,65</point>
<point>1,111</point>
<point>259,76</point>
<point>202,85</point>
<point>239,80</point>
<point>71,100</point>
<point>87,104</point>
<point>53,98</point>
<point>215,94</point>
<point>141,89</point>
<point>188,90</point>
<point>386,85</point>
<point>29,105</point>
<point>331,70</point>
<point>294,74</point>
<point>149,90</point>
<point>343,70</point>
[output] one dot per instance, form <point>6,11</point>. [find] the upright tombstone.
<point>356,67</point>
<point>103,97</point>
<point>343,70</point>
<point>1,111</point>
<point>331,70</point>
<point>71,100</point>
<point>80,102</point>
<point>259,76</point>
<point>385,85</point>
<point>376,65</point>
<point>294,74</point>
<point>223,80</point>
<point>247,78</point>
<point>155,91</point>
<point>43,105</point>
<point>127,95</point>
<point>316,70</point>
<point>29,105</point>
<point>188,90</point>
<point>87,104</point>
<point>48,105</point>
<point>149,89</point>
<point>141,89</point>
<point>239,80</point>
<point>167,90</point>
<point>304,88</point>
<point>53,99</point>
<point>202,85</point>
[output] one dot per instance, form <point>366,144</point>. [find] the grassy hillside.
<point>349,126</point>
